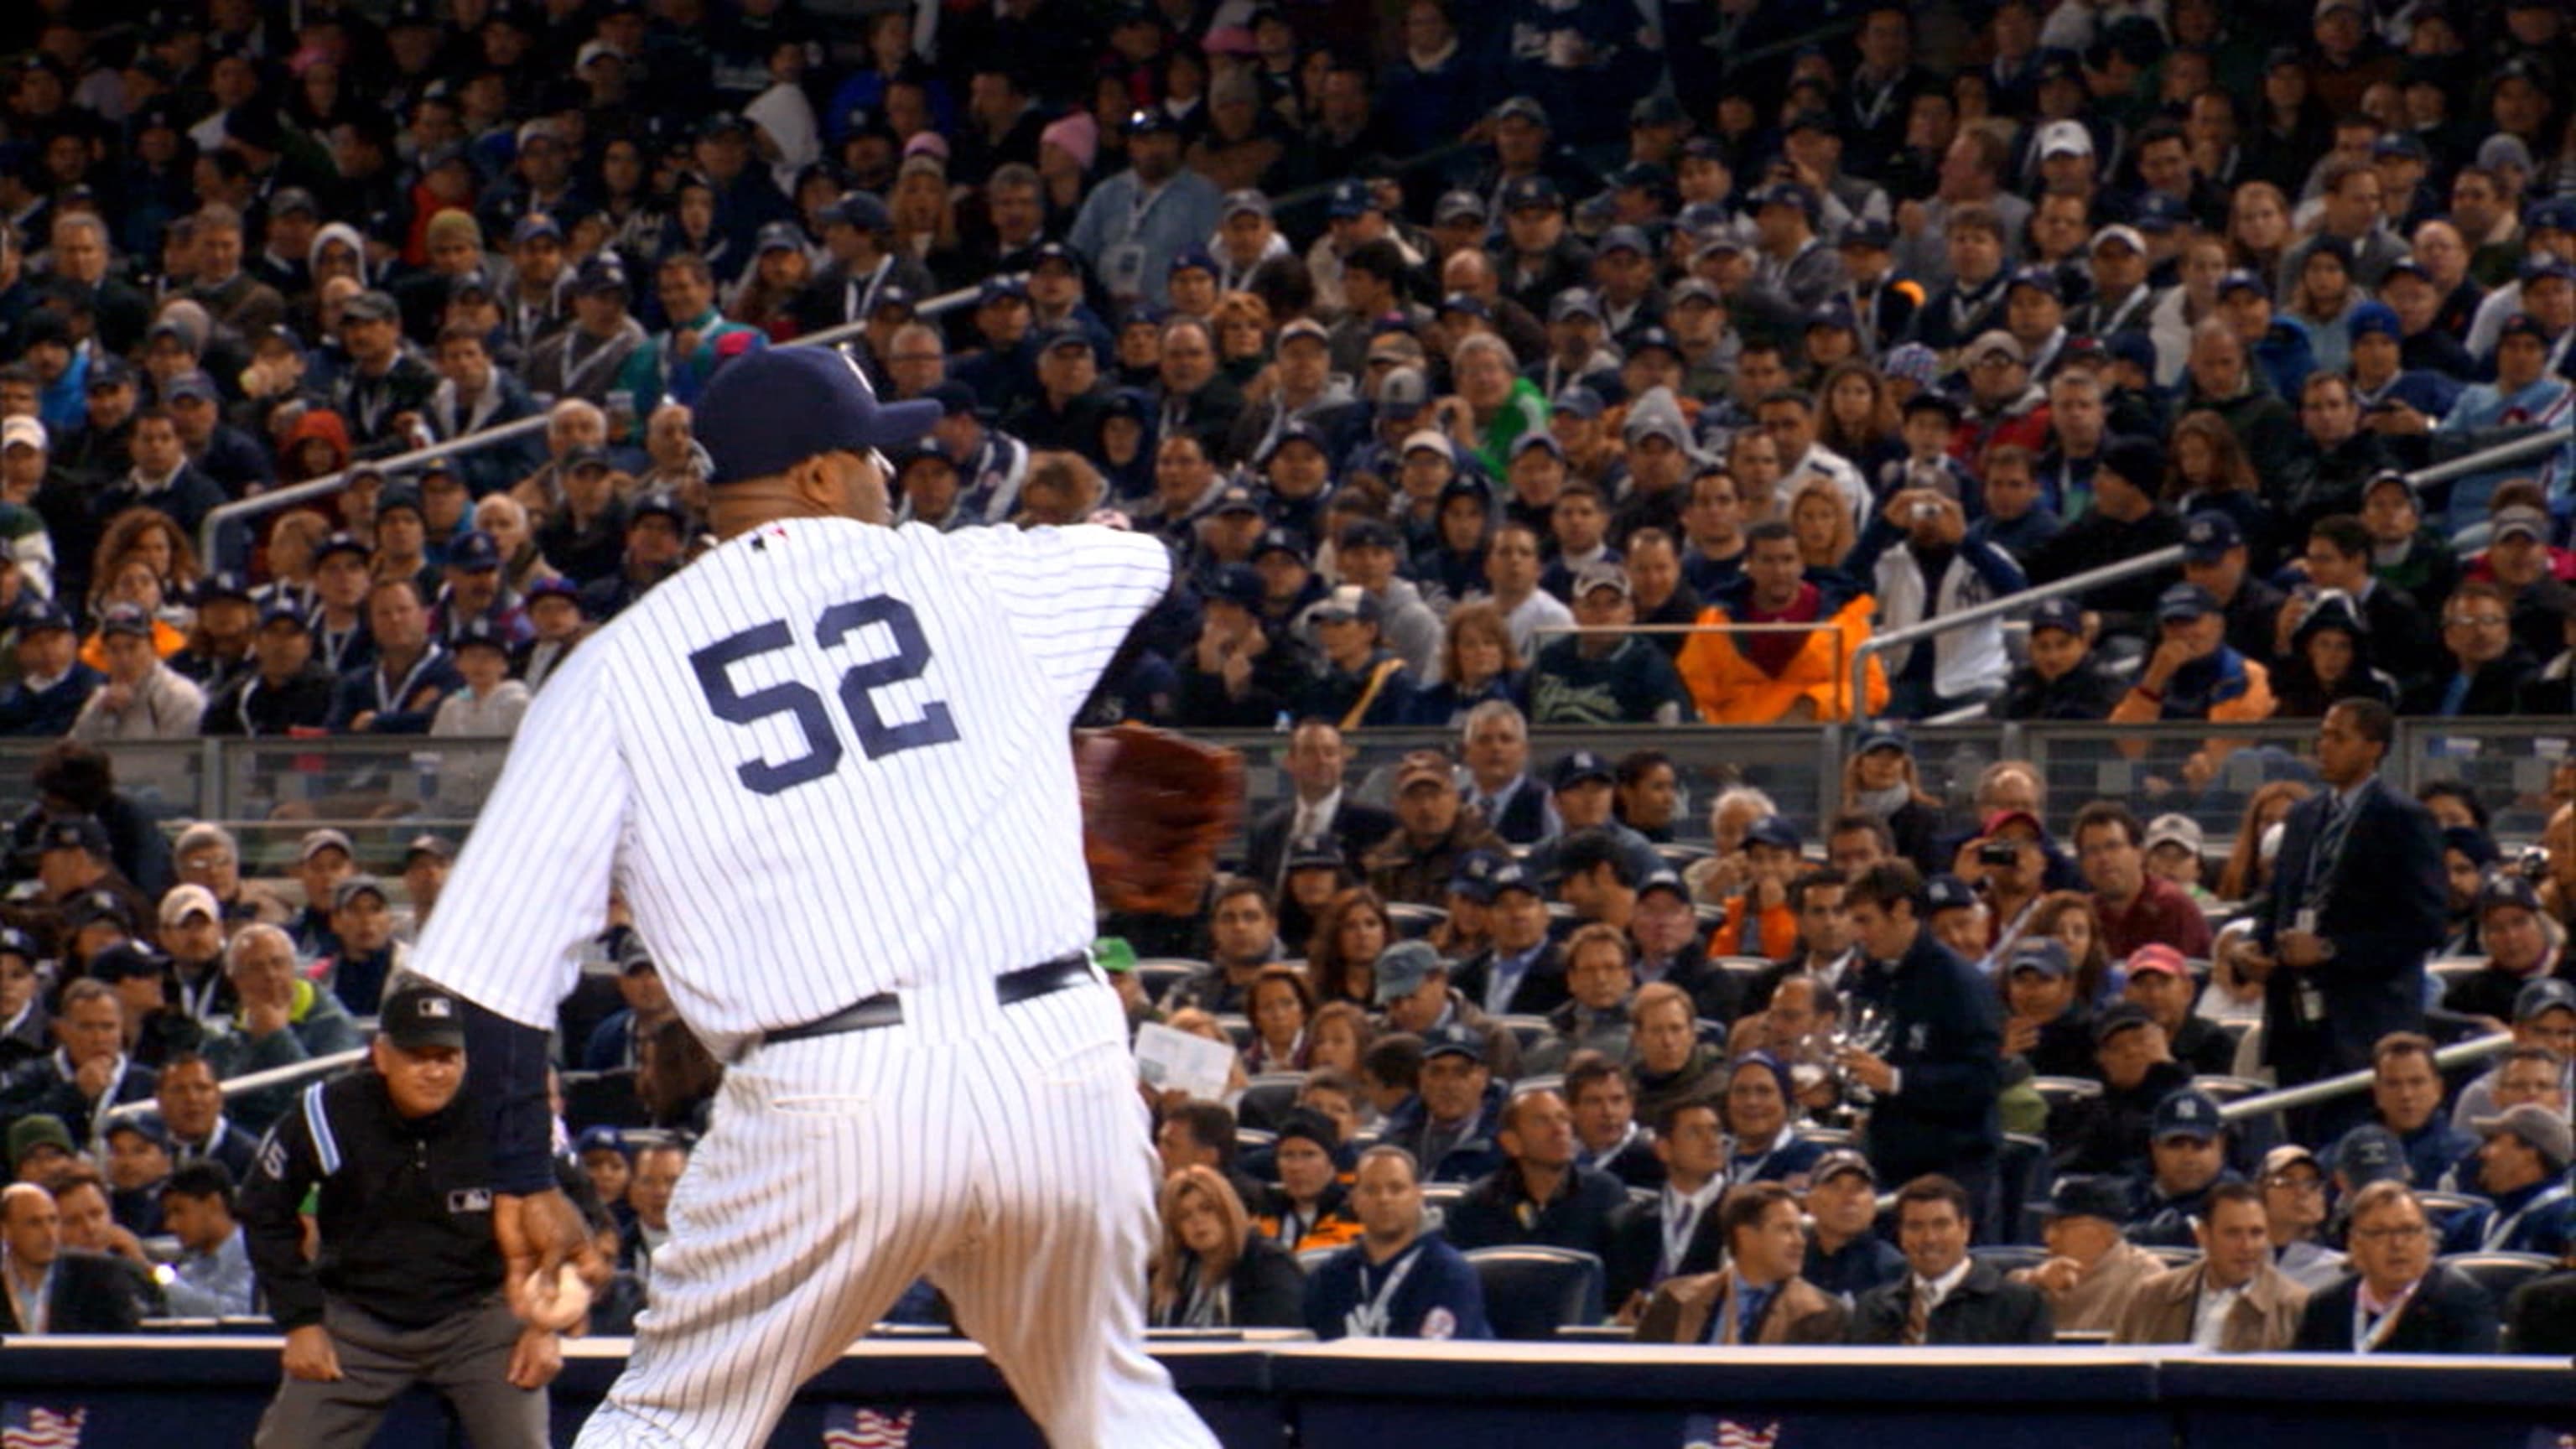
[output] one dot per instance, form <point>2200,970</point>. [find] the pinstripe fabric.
<point>1001,1151</point>
<point>804,813</point>
<point>765,911</point>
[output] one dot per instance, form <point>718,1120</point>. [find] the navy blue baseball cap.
<point>2158,212</point>
<point>1774,831</point>
<point>1473,876</point>
<point>2043,279</point>
<point>1579,400</point>
<point>2065,614</point>
<point>1883,737</point>
<point>598,1139</point>
<point>2374,317</point>
<point>2371,1153</point>
<point>2185,601</point>
<point>1580,766</point>
<point>2188,1113</point>
<point>1946,892</point>
<point>127,961</point>
<point>2207,537</point>
<point>767,411</point>
<point>1280,539</point>
<point>2506,888</point>
<point>533,226</point>
<point>1510,875</point>
<point>475,553</point>
<point>480,634</point>
<point>224,584</point>
<point>2549,993</point>
<point>2244,279</point>
<point>1622,239</point>
<point>2043,954</point>
<point>73,832</point>
<point>1532,193</point>
<point>1350,198</point>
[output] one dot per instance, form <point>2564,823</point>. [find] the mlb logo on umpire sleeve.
<point>470,1200</point>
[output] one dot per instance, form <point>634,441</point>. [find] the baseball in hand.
<point>561,1310</point>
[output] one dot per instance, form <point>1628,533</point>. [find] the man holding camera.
<point>1920,562</point>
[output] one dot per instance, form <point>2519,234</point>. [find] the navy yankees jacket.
<point>1438,1297</point>
<point>1946,1043</point>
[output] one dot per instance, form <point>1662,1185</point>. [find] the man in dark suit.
<point>1946,1297</point>
<point>1676,1234</point>
<point>2358,900</point>
<point>1318,810</point>
<point>81,1292</point>
<point>1520,971</point>
<point>2398,1300</point>
<point>1940,1078</point>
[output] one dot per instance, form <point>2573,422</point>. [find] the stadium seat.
<point>1528,1030</point>
<point>1679,854</point>
<point>1161,973</point>
<point>1710,917</point>
<point>603,1099</point>
<point>2230,1089</point>
<point>1438,1198</point>
<point>1744,965</point>
<point>1237,1026</point>
<point>2023,1171</point>
<point>2443,1209</point>
<point>1595,1333</point>
<point>2501,1273</point>
<point>1268,1098</point>
<point>1530,1291</point>
<point>2063,1092</point>
<point>1253,1139</point>
<point>1415,921</point>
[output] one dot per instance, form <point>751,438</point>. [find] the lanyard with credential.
<point>1370,1319</point>
<point>2377,1334</point>
<point>2502,1231</point>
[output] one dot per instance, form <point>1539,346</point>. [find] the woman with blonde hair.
<point>1210,1270</point>
<point>1242,326</point>
<point>1822,521</point>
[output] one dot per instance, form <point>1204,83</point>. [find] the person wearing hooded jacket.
<point>2329,662</point>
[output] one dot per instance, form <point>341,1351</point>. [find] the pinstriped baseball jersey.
<point>771,749</point>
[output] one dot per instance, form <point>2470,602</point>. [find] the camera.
<point>1998,852</point>
<point>1925,512</point>
<point>2533,863</point>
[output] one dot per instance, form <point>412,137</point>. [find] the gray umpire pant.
<point>465,1356</point>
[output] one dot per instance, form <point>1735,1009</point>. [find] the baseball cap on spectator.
<point>1402,968</point>
<point>1884,737</point>
<point>419,1016</point>
<point>110,370</point>
<point>2523,521</point>
<point>1931,401</point>
<point>2101,1197</point>
<point>1473,876</point>
<point>369,306</point>
<point>1774,831</point>
<point>778,236</point>
<point>2065,138</point>
<point>1193,259</point>
<point>2121,235</point>
<point>1236,584</point>
<point>2208,536</point>
<point>2183,602</point>
<point>1579,400</point>
<point>1521,108</point>
<point>1693,290</point>
<point>2546,266</point>
<point>73,832</point>
<point>90,908</point>
<point>2244,279</point>
<point>2117,1018</point>
<point>600,274</point>
<point>190,386</point>
<point>2538,998</point>
<point>1574,302</point>
<point>1454,1040</point>
<point>2371,1153</point>
<point>1871,233</point>
<point>2062,614</point>
<point>1664,880</point>
<point>184,901</point>
<point>2506,888</point>
<point>317,841</point>
<point>23,432</point>
<point>37,1132</point>
<point>1467,302</point>
<point>1600,576</point>
<point>127,961</point>
<point>220,585</point>
<point>1511,875</point>
<point>535,226</point>
<point>1280,539</point>
<point>2175,829</point>
<point>2188,1113</point>
<point>474,552</point>
<point>1545,442</point>
<point>2406,265</point>
<point>1305,328</point>
<point>15,942</point>
<point>1350,198</point>
<point>1990,344</point>
<point>2522,324</point>
<point>2042,279</point>
<point>1946,892</point>
<point>1622,239</point>
<point>598,1139</point>
<point>1579,766</point>
<point>1344,604</point>
<point>2284,1157</point>
<point>1794,194</point>
<point>2540,1129</point>
<point>2157,212</point>
<point>480,634</point>
<point>1531,193</point>
<point>1403,393</point>
<point>2157,956</point>
<point>2043,954</point>
<point>1426,440</point>
<point>1719,244</point>
<point>356,886</point>
<point>1839,1161</point>
<point>400,497</point>
<point>1834,314</point>
<point>1247,202</point>
<point>128,621</point>
<point>438,847</point>
<point>1458,206</point>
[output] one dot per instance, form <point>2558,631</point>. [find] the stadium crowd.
<point>1426,336</point>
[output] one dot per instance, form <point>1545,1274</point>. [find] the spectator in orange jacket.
<point>1771,678</point>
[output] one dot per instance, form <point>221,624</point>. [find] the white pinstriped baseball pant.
<point>1002,1151</point>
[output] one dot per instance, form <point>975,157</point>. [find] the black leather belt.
<point>886,1009</point>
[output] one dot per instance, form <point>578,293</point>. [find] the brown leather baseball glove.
<point>1156,808</point>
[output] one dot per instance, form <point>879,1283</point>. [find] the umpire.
<point>407,1286</point>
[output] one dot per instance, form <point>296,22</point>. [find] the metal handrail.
<point>1879,643</point>
<point>331,483</point>
<point>284,1076</point>
<point>2326,1089</point>
<point>2540,441</point>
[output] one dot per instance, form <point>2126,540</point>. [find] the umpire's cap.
<point>767,411</point>
<point>420,1016</point>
